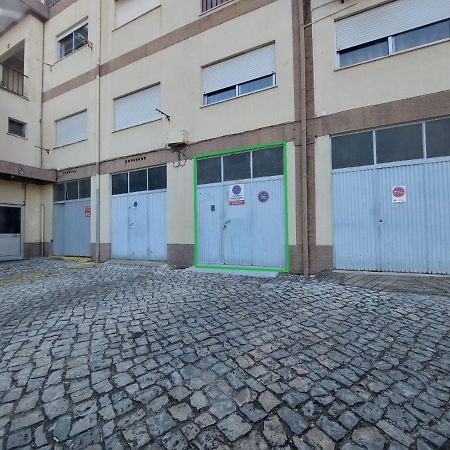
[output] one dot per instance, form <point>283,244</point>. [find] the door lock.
<point>225,224</point>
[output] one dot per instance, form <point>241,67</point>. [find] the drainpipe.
<point>97,162</point>
<point>304,160</point>
<point>41,136</point>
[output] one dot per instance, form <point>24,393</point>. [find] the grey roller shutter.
<point>389,19</point>
<point>137,108</point>
<point>249,66</point>
<point>71,129</point>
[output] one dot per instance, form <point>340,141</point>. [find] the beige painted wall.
<point>181,92</point>
<point>324,226</point>
<point>30,196</point>
<point>28,110</point>
<point>408,74</point>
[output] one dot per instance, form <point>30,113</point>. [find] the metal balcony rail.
<point>49,2</point>
<point>11,80</point>
<point>209,4</point>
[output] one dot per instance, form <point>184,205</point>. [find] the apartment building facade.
<point>221,133</point>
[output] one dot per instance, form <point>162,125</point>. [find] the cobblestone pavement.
<point>137,357</point>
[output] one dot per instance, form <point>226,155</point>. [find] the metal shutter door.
<point>249,66</point>
<point>72,129</point>
<point>137,108</point>
<point>389,19</point>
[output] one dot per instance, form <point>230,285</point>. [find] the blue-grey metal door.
<point>11,232</point>
<point>139,226</point>
<point>71,228</point>
<point>249,232</point>
<point>376,230</point>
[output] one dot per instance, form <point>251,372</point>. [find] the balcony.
<point>49,2</point>
<point>12,77</point>
<point>210,4</point>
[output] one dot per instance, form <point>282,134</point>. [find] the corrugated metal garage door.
<point>373,231</point>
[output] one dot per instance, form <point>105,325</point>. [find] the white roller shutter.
<point>389,19</point>
<point>71,129</point>
<point>137,108</point>
<point>127,10</point>
<point>249,66</point>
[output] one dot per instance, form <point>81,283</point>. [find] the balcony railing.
<point>11,80</point>
<point>209,4</point>
<point>49,2</point>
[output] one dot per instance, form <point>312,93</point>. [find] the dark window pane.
<point>268,162</point>
<point>438,138</point>
<point>66,46</point>
<point>422,36</point>
<point>85,188</point>
<point>236,166</point>
<point>72,190</point>
<point>59,192</point>
<point>9,220</point>
<point>399,143</point>
<point>256,85</point>
<point>364,52</point>
<point>16,127</point>
<point>80,37</point>
<point>209,170</point>
<point>157,178</point>
<point>223,94</point>
<point>352,150</point>
<point>119,183</point>
<point>138,181</point>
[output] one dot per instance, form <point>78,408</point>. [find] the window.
<point>128,10</point>
<point>438,138</point>
<point>209,170</point>
<point>157,178</point>
<point>73,40</point>
<point>209,4</point>
<point>422,36</point>
<point>399,143</point>
<point>137,108</point>
<point>139,180</point>
<point>236,166</point>
<point>352,150</point>
<point>393,27</point>
<point>71,129</point>
<point>250,72</point>
<point>10,220</point>
<point>266,162</point>
<point>72,190</point>
<point>17,128</point>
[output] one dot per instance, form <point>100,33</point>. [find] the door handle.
<point>225,224</point>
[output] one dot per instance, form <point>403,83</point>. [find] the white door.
<point>139,226</point>
<point>10,232</point>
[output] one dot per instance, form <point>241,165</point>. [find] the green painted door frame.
<point>286,213</point>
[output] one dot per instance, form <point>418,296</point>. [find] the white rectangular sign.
<point>398,194</point>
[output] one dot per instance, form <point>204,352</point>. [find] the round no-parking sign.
<point>263,196</point>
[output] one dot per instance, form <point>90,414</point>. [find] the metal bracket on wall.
<point>182,157</point>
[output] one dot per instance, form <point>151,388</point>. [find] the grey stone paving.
<point>123,356</point>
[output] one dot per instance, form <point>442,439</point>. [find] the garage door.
<point>139,214</point>
<point>241,220</point>
<point>393,215</point>
<point>72,219</point>
<point>10,232</point>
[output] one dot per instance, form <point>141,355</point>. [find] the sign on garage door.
<point>241,210</point>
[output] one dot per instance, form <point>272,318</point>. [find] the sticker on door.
<point>236,194</point>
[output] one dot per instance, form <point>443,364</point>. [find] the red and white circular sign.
<point>398,191</point>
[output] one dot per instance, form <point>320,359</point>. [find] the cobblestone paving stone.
<point>118,357</point>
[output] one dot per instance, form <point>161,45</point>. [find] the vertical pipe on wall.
<point>300,130</point>
<point>97,160</point>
